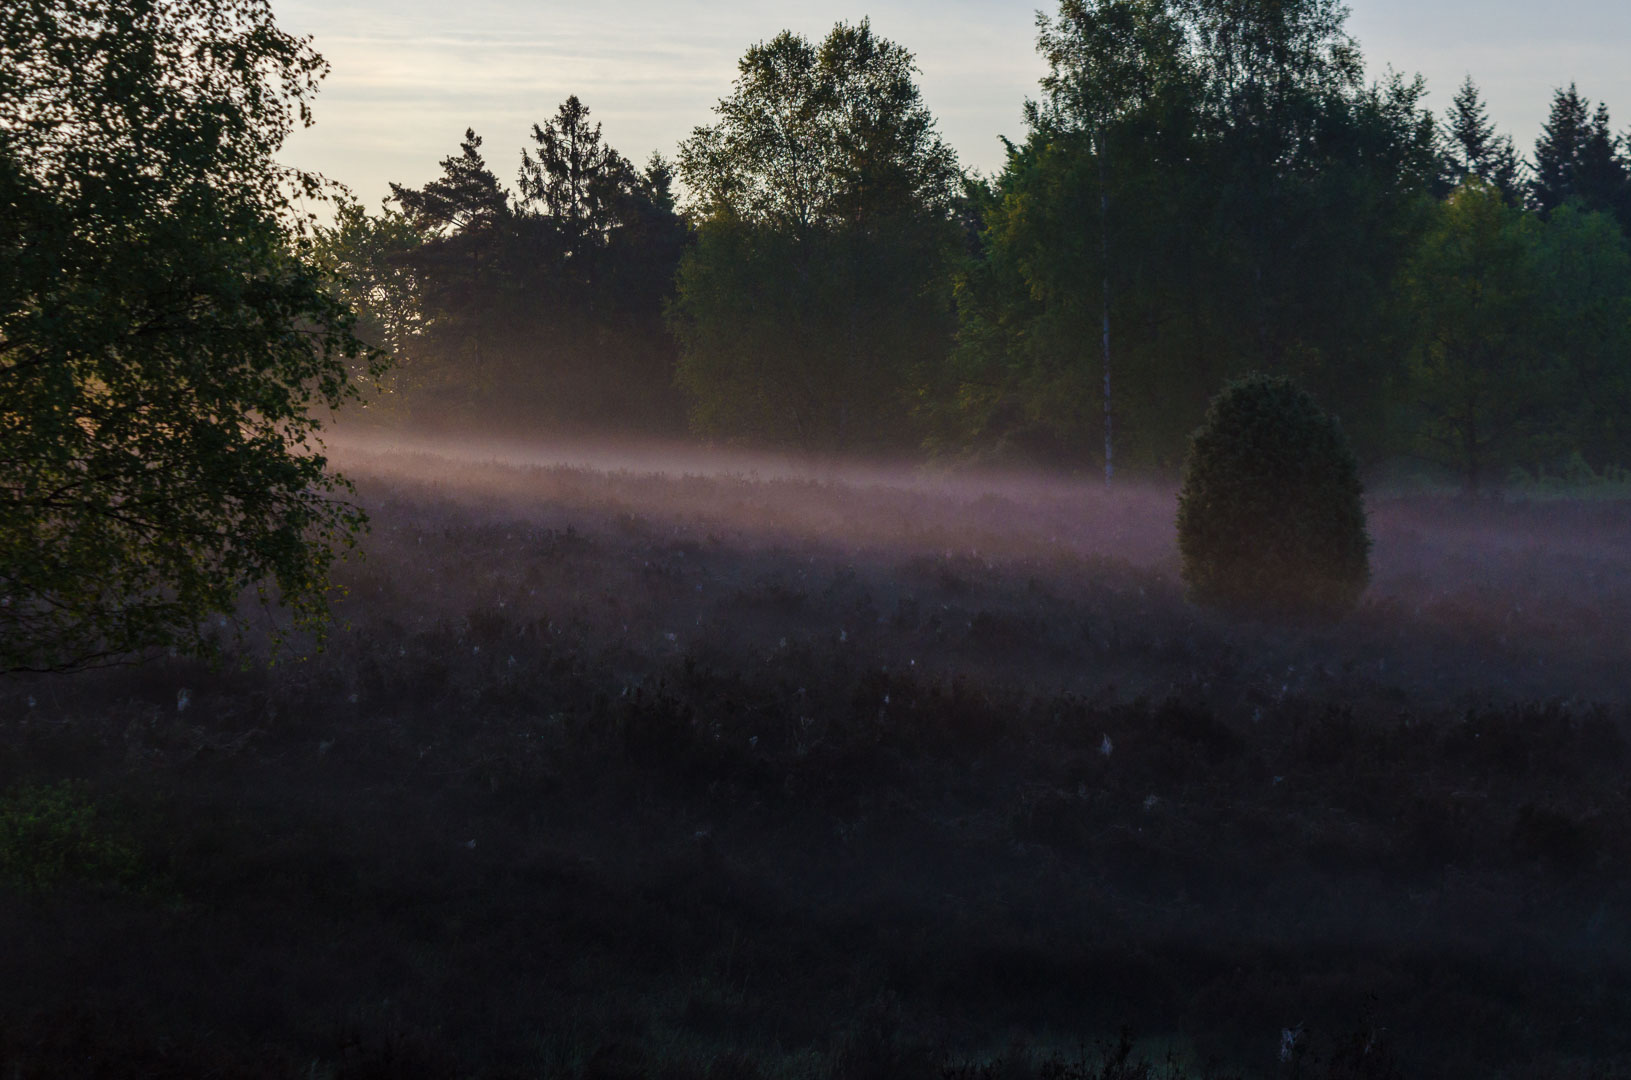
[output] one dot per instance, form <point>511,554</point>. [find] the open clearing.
<point>737,769</point>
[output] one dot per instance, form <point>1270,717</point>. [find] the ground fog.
<point>631,762</point>
<point>1469,602</point>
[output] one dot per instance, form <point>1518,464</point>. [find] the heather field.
<point>625,764</point>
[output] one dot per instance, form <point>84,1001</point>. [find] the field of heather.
<point>629,764</point>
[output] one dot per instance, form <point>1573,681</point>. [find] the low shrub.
<point>56,833</point>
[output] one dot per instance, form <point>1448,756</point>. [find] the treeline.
<point>540,307</point>
<point>1206,188</point>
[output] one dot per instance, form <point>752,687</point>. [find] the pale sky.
<point>410,75</point>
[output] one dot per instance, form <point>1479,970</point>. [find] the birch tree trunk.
<point>1104,253</point>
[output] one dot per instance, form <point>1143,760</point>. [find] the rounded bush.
<point>1271,516</point>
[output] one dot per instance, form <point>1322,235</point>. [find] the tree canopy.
<point>166,345</point>
<point>541,307</point>
<point>1220,171</point>
<point>1204,188</point>
<point>1472,146</point>
<point>818,286</point>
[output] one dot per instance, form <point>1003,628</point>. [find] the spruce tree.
<point>1474,148</point>
<point>1602,174</point>
<point>467,266</point>
<point>1559,150</point>
<point>577,178</point>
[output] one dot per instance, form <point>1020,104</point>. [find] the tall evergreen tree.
<point>546,308</point>
<point>1579,157</point>
<point>465,269</point>
<point>467,196</point>
<point>576,179</point>
<point>1559,150</point>
<point>1602,174</point>
<point>601,243</point>
<point>1472,147</point>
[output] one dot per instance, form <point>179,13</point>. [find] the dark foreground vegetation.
<point>621,775</point>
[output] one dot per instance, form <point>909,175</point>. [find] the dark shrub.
<point>54,834</point>
<point>1271,518</point>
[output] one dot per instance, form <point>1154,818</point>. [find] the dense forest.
<point>1204,188</point>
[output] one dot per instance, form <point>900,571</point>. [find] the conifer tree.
<point>1472,147</point>
<point>465,267</point>
<point>1558,151</point>
<point>1602,174</point>
<point>545,307</point>
<point>466,198</point>
<point>576,179</point>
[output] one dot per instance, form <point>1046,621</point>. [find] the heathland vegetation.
<point>700,776</point>
<point>716,767</point>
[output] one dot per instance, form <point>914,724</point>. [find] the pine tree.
<point>1559,150</point>
<point>1473,147</point>
<point>466,198</point>
<point>465,266</point>
<point>1505,169</point>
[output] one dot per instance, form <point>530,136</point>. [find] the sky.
<point>410,75</point>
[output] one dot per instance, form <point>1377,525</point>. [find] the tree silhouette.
<point>467,197</point>
<point>1472,147</point>
<point>577,179</point>
<point>1558,151</point>
<point>819,280</point>
<point>165,336</point>
<point>1601,175</point>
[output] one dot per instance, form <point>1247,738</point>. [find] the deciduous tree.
<point>1582,265</point>
<point>818,288</point>
<point>1220,169</point>
<point>164,336</point>
<point>1483,384</point>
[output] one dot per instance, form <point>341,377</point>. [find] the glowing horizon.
<point>409,79</point>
